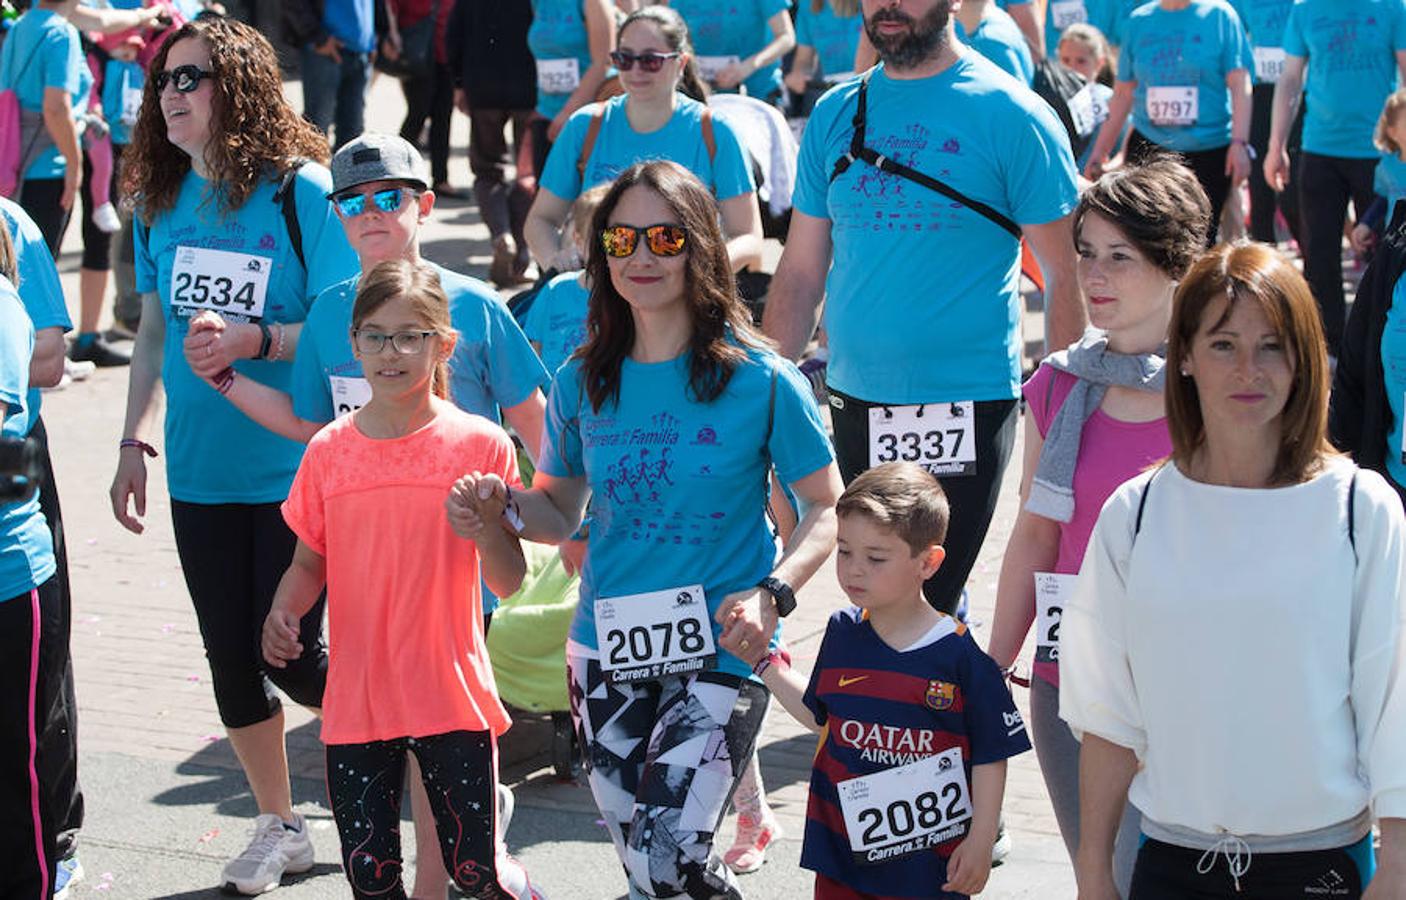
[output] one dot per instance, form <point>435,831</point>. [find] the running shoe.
<point>98,352</point>
<point>748,850</point>
<point>78,371</point>
<point>69,873</point>
<point>506,804</point>
<point>105,217</point>
<point>275,850</point>
<point>1002,848</point>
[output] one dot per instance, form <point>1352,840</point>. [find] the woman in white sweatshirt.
<point>1234,659</point>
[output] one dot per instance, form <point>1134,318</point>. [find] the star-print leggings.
<point>460,770</point>
<point>663,758</point>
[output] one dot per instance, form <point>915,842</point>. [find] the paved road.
<point>166,803</point>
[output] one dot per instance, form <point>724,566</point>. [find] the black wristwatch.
<point>781,593</point>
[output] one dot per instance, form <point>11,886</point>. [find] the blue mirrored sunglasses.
<point>387,200</point>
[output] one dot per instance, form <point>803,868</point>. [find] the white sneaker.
<point>506,804</point>
<point>1002,847</point>
<point>273,852</point>
<point>105,217</point>
<point>78,371</point>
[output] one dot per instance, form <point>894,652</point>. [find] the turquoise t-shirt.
<point>1389,181</point>
<point>557,319</point>
<point>679,487</point>
<point>618,146</point>
<point>1265,20</point>
<point>1351,52</point>
<point>721,28</point>
<point>1166,51</point>
<point>122,98</point>
<point>558,39</point>
<point>998,39</point>
<point>39,286</point>
<point>1107,16</point>
<point>1393,352</point>
<point>214,453</point>
<point>835,39</point>
<point>44,51</point>
<point>26,548</point>
<point>493,365</point>
<point>923,297</point>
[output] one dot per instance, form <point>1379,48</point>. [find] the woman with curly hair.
<point>669,419</point>
<point>232,217</point>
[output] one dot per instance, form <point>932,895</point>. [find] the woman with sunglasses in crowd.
<point>212,145</point>
<point>663,114</point>
<point>381,195</point>
<point>668,420</point>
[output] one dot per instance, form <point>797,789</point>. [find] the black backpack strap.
<point>858,150</point>
<point>287,202</point>
<point>1142,503</point>
<point>1351,508</point>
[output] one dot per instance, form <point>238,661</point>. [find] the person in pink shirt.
<point>408,669</point>
<point>1095,418</point>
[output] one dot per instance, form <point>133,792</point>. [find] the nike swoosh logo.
<point>846,682</point>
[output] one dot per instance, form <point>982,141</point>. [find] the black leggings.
<point>460,773</point>
<point>971,498</point>
<point>97,244</point>
<point>1207,165</point>
<point>28,819</point>
<point>1168,872</point>
<point>40,198</point>
<point>58,723</point>
<point>1264,199</point>
<point>431,96</point>
<point>1326,183</point>
<point>233,556</point>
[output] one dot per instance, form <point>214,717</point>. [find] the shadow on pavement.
<point>320,870</point>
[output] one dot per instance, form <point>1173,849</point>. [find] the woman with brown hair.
<point>668,420</point>
<point>1233,647</point>
<point>232,218</point>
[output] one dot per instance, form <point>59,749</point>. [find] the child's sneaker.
<point>274,851</point>
<point>506,805</point>
<point>105,217</point>
<point>78,370</point>
<point>1002,848</point>
<point>748,850</point>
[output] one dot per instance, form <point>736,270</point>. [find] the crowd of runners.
<point>357,439</point>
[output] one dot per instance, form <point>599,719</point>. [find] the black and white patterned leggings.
<point>663,758</point>
<point>460,769</point>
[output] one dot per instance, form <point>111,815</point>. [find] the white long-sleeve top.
<point>1254,663</point>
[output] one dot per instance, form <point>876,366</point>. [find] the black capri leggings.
<point>971,498</point>
<point>233,556</point>
<point>1207,165</point>
<point>1167,872</point>
<point>97,244</point>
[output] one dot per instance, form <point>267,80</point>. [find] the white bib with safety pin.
<point>940,437</point>
<point>234,285</point>
<point>1269,64</point>
<point>131,104</point>
<point>1068,12</point>
<point>1172,105</point>
<point>349,394</point>
<point>1051,593</point>
<point>1084,110</point>
<point>906,809</point>
<point>558,76</point>
<point>647,636</point>
<point>710,66</point>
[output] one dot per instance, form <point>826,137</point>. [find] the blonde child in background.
<point>1389,182</point>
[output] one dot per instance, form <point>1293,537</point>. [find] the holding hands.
<point>475,500</point>
<point>748,619</point>
<point>207,345</point>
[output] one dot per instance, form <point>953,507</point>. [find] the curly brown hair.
<point>722,326</point>
<point>255,135</point>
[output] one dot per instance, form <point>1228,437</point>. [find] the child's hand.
<point>969,866</point>
<point>462,508</point>
<point>280,638</point>
<point>204,344</point>
<point>1363,239</point>
<point>748,622</point>
<point>491,495</point>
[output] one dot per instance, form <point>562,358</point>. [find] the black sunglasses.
<point>649,61</point>
<point>185,78</point>
<point>620,241</point>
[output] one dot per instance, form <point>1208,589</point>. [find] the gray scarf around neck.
<point>1097,368</point>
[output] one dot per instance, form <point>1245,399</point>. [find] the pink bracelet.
<point>140,445</point>
<point>224,379</point>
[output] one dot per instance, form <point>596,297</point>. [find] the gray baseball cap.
<point>377,157</point>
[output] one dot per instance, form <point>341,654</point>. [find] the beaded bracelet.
<point>278,348</point>
<point>140,445</point>
<point>224,379</point>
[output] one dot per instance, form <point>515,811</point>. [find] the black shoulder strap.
<point>858,150</point>
<point>286,198</point>
<point>1351,508</point>
<point>1142,503</point>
